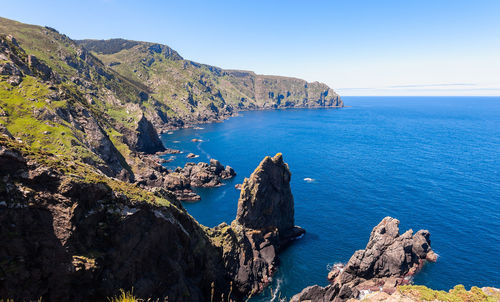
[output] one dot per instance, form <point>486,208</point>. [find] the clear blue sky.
<point>357,47</point>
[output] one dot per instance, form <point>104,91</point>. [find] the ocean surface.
<point>431,162</point>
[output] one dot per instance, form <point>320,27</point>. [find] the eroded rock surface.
<point>266,200</point>
<point>389,260</point>
<point>251,244</point>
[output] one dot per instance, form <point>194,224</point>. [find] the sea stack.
<point>389,260</point>
<point>264,224</point>
<point>266,200</point>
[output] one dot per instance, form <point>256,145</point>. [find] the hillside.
<point>197,92</point>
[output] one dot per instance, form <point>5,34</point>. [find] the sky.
<point>436,47</point>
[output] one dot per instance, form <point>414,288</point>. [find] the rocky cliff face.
<point>389,260</point>
<point>251,250</point>
<point>266,200</point>
<point>70,239</point>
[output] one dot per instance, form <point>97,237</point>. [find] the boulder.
<point>228,173</point>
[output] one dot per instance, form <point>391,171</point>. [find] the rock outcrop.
<point>180,185</point>
<point>206,175</point>
<point>147,137</point>
<point>389,260</point>
<point>251,245</point>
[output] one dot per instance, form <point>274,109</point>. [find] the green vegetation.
<point>125,296</point>
<point>457,294</point>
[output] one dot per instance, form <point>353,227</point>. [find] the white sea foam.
<point>275,292</point>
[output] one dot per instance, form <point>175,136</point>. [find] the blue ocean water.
<point>431,162</point>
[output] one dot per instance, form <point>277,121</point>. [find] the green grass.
<point>28,120</point>
<point>457,294</point>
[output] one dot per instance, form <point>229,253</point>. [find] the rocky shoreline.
<point>389,260</point>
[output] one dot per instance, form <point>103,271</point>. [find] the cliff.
<point>196,92</point>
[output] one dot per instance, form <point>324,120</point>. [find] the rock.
<point>251,246</point>
<point>14,80</point>
<point>228,173</point>
<point>387,261</point>
<point>168,151</point>
<point>206,175</point>
<point>5,132</point>
<point>41,69</point>
<point>9,69</point>
<point>238,186</point>
<point>431,256</point>
<point>191,155</point>
<point>216,166</point>
<point>266,200</point>
<point>180,185</point>
<point>147,138</point>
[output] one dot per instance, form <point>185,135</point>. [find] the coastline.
<point>236,114</point>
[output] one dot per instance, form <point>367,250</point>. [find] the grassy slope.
<point>457,294</point>
<point>189,88</point>
<point>32,115</point>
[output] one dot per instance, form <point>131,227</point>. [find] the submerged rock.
<point>191,155</point>
<point>389,260</point>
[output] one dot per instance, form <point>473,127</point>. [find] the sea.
<point>431,162</point>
